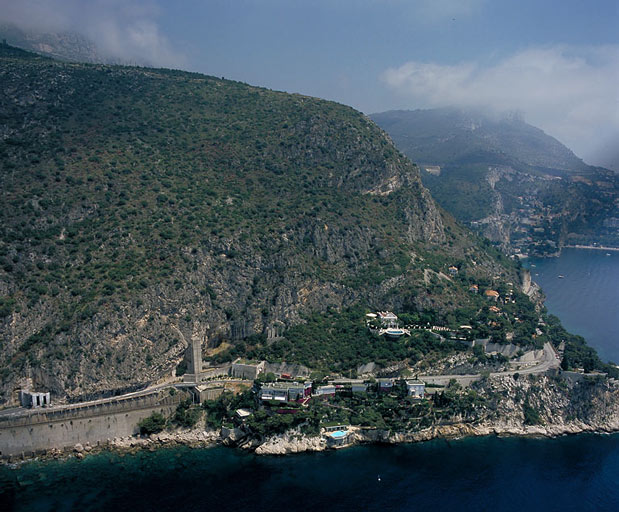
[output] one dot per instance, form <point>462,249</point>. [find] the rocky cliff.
<point>543,406</point>
<point>142,208</point>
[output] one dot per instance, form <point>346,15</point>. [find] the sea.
<point>573,473</point>
<point>582,289</point>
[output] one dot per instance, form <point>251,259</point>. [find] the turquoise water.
<point>574,473</point>
<point>586,299</point>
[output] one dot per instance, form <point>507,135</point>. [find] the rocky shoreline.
<point>561,406</point>
<point>288,444</point>
<point>293,442</point>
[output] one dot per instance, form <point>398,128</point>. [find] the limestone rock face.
<point>291,443</point>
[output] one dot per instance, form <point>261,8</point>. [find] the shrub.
<point>531,415</point>
<point>186,415</point>
<point>152,424</point>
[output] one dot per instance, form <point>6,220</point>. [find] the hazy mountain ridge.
<point>443,136</point>
<point>520,185</point>
<point>69,46</point>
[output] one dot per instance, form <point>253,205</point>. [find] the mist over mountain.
<point>519,185</point>
<point>449,135</point>
<point>64,45</point>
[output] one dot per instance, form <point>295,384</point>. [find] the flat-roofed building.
<point>247,369</point>
<point>287,392</point>
<point>328,390</point>
<point>416,388</point>
<point>385,385</point>
<point>33,399</point>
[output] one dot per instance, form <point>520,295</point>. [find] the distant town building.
<point>474,288</point>
<point>491,294</point>
<point>435,170</point>
<point>453,270</point>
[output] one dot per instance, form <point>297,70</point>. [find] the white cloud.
<point>569,92</point>
<point>121,29</point>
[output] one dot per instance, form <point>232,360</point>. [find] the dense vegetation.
<point>152,424</point>
<point>339,341</point>
<point>142,208</point>
<point>393,411</point>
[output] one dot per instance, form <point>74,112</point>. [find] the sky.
<point>555,62</point>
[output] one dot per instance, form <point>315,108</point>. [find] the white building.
<point>32,399</point>
<point>416,388</point>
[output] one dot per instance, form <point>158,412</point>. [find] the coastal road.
<point>548,361</point>
<point>21,411</point>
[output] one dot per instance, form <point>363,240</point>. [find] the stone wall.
<point>94,424</point>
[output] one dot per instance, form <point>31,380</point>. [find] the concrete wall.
<point>44,430</point>
<point>506,349</point>
<point>219,371</point>
<point>463,380</point>
<point>247,371</point>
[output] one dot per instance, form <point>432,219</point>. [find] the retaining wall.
<point>43,430</point>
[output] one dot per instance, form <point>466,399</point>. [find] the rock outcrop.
<point>291,442</point>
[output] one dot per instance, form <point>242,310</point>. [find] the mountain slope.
<point>521,186</point>
<point>142,208</point>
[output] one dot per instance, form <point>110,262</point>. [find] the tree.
<point>186,415</point>
<point>153,424</point>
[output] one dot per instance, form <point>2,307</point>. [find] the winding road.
<point>548,361</point>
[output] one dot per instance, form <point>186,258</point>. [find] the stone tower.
<point>196,357</point>
<point>195,362</point>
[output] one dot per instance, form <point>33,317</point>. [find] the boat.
<point>561,276</point>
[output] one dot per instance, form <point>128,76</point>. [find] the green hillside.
<point>142,208</point>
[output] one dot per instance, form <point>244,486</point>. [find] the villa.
<point>416,388</point>
<point>286,391</point>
